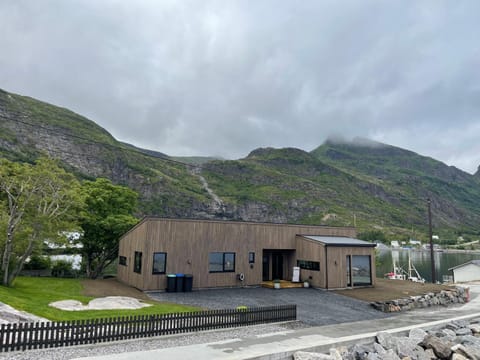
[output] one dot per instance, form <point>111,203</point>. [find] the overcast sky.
<point>225,77</point>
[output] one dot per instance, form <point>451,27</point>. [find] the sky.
<point>221,78</point>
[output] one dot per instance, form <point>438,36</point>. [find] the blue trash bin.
<point>179,285</point>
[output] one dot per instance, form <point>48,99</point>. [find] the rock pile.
<point>457,295</point>
<point>458,340</point>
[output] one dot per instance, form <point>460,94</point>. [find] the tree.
<point>108,214</point>
<point>37,202</point>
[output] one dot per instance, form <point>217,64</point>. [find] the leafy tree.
<point>37,202</point>
<point>108,214</point>
<point>372,235</point>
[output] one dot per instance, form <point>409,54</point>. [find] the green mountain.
<point>29,128</point>
<point>361,183</point>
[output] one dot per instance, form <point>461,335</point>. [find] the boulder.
<point>386,340</point>
<point>463,331</point>
<point>475,328</point>
<point>388,355</point>
<point>441,347</point>
<point>469,340</point>
<point>417,335</point>
<point>469,352</point>
<point>456,356</point>
<point>406,347</point>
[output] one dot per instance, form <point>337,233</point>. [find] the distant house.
<point>395,244</point>
<point>235,254</point>
<point>469,271</point>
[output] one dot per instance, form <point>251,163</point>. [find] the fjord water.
<point>421,260</point>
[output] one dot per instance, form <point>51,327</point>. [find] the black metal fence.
<point>25,336</point>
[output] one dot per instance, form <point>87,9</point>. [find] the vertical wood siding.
<point>189,242</point>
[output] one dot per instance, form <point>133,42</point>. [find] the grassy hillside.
<point>362,183</point>
<point>455,194</point>
<point>30,128</point>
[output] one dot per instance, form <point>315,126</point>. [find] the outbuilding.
<point>236,254</point>
<point>469,271</point>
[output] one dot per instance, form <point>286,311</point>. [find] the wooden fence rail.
<point>26,336</point>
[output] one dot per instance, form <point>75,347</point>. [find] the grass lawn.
<point>33,294</point>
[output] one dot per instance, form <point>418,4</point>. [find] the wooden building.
<point>235,254</point>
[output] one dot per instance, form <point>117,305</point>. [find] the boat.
<point>399,273</point>
<point>413,274</point>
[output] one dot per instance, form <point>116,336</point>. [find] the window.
<point>308,265</point>
<point>251,258</point>
<point>159,263</point>
<point>221,262</point>
<point>360,270</point>
<point>122,260</point>
<point>137,264</point>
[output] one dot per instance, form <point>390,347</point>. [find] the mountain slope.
<point>361,183</point>
<point>455,194</point>
<point>29,128</point>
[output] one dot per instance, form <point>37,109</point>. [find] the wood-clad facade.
<point>221,253</point>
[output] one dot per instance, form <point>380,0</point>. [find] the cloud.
<point>222,78</point>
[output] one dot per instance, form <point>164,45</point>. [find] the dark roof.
<point>474,262</point>
<point>339,241</point>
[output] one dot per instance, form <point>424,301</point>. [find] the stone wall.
<point>457,295</point>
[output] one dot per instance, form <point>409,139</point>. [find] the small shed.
<point>469,271</point>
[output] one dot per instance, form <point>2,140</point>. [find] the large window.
<point>359,271</point>
<point>221,262</point>
<point>159,263</point>
<point>137,263</point>
<point>308,265</point>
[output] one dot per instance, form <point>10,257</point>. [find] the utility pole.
<point>432,258</point>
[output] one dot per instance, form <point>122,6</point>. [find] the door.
<point>266,268</point>
<point>277,266</point>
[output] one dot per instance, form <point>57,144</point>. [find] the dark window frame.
<point>164,263</point>
<point>137,262</point>
<point>224,269</point>
<point>352,275</point>
<point>122,260</point>
<point>308,265</point>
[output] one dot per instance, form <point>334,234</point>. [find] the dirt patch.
<point>386,289</point>
<point>110,287</point>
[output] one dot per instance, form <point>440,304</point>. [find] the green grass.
<point>34,294</point>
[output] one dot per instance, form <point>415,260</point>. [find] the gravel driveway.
<point>314,306</point>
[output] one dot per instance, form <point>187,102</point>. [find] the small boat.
<point>399,273</point>
<point>413,274</point>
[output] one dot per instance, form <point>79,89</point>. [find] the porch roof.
<point>339,241</point>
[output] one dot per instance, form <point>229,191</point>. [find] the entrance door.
<point>266,268</point>
<point>277,266</point>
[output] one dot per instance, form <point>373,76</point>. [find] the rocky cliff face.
<point>366,184</point>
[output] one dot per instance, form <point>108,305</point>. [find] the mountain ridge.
<point>359,182</point>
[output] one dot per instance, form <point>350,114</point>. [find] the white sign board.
<point>296,274</point>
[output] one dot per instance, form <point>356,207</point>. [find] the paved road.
<point>315,307</point>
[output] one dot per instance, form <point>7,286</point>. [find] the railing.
<point>26,336</point>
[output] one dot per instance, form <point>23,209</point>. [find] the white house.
<point>469,271</point>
